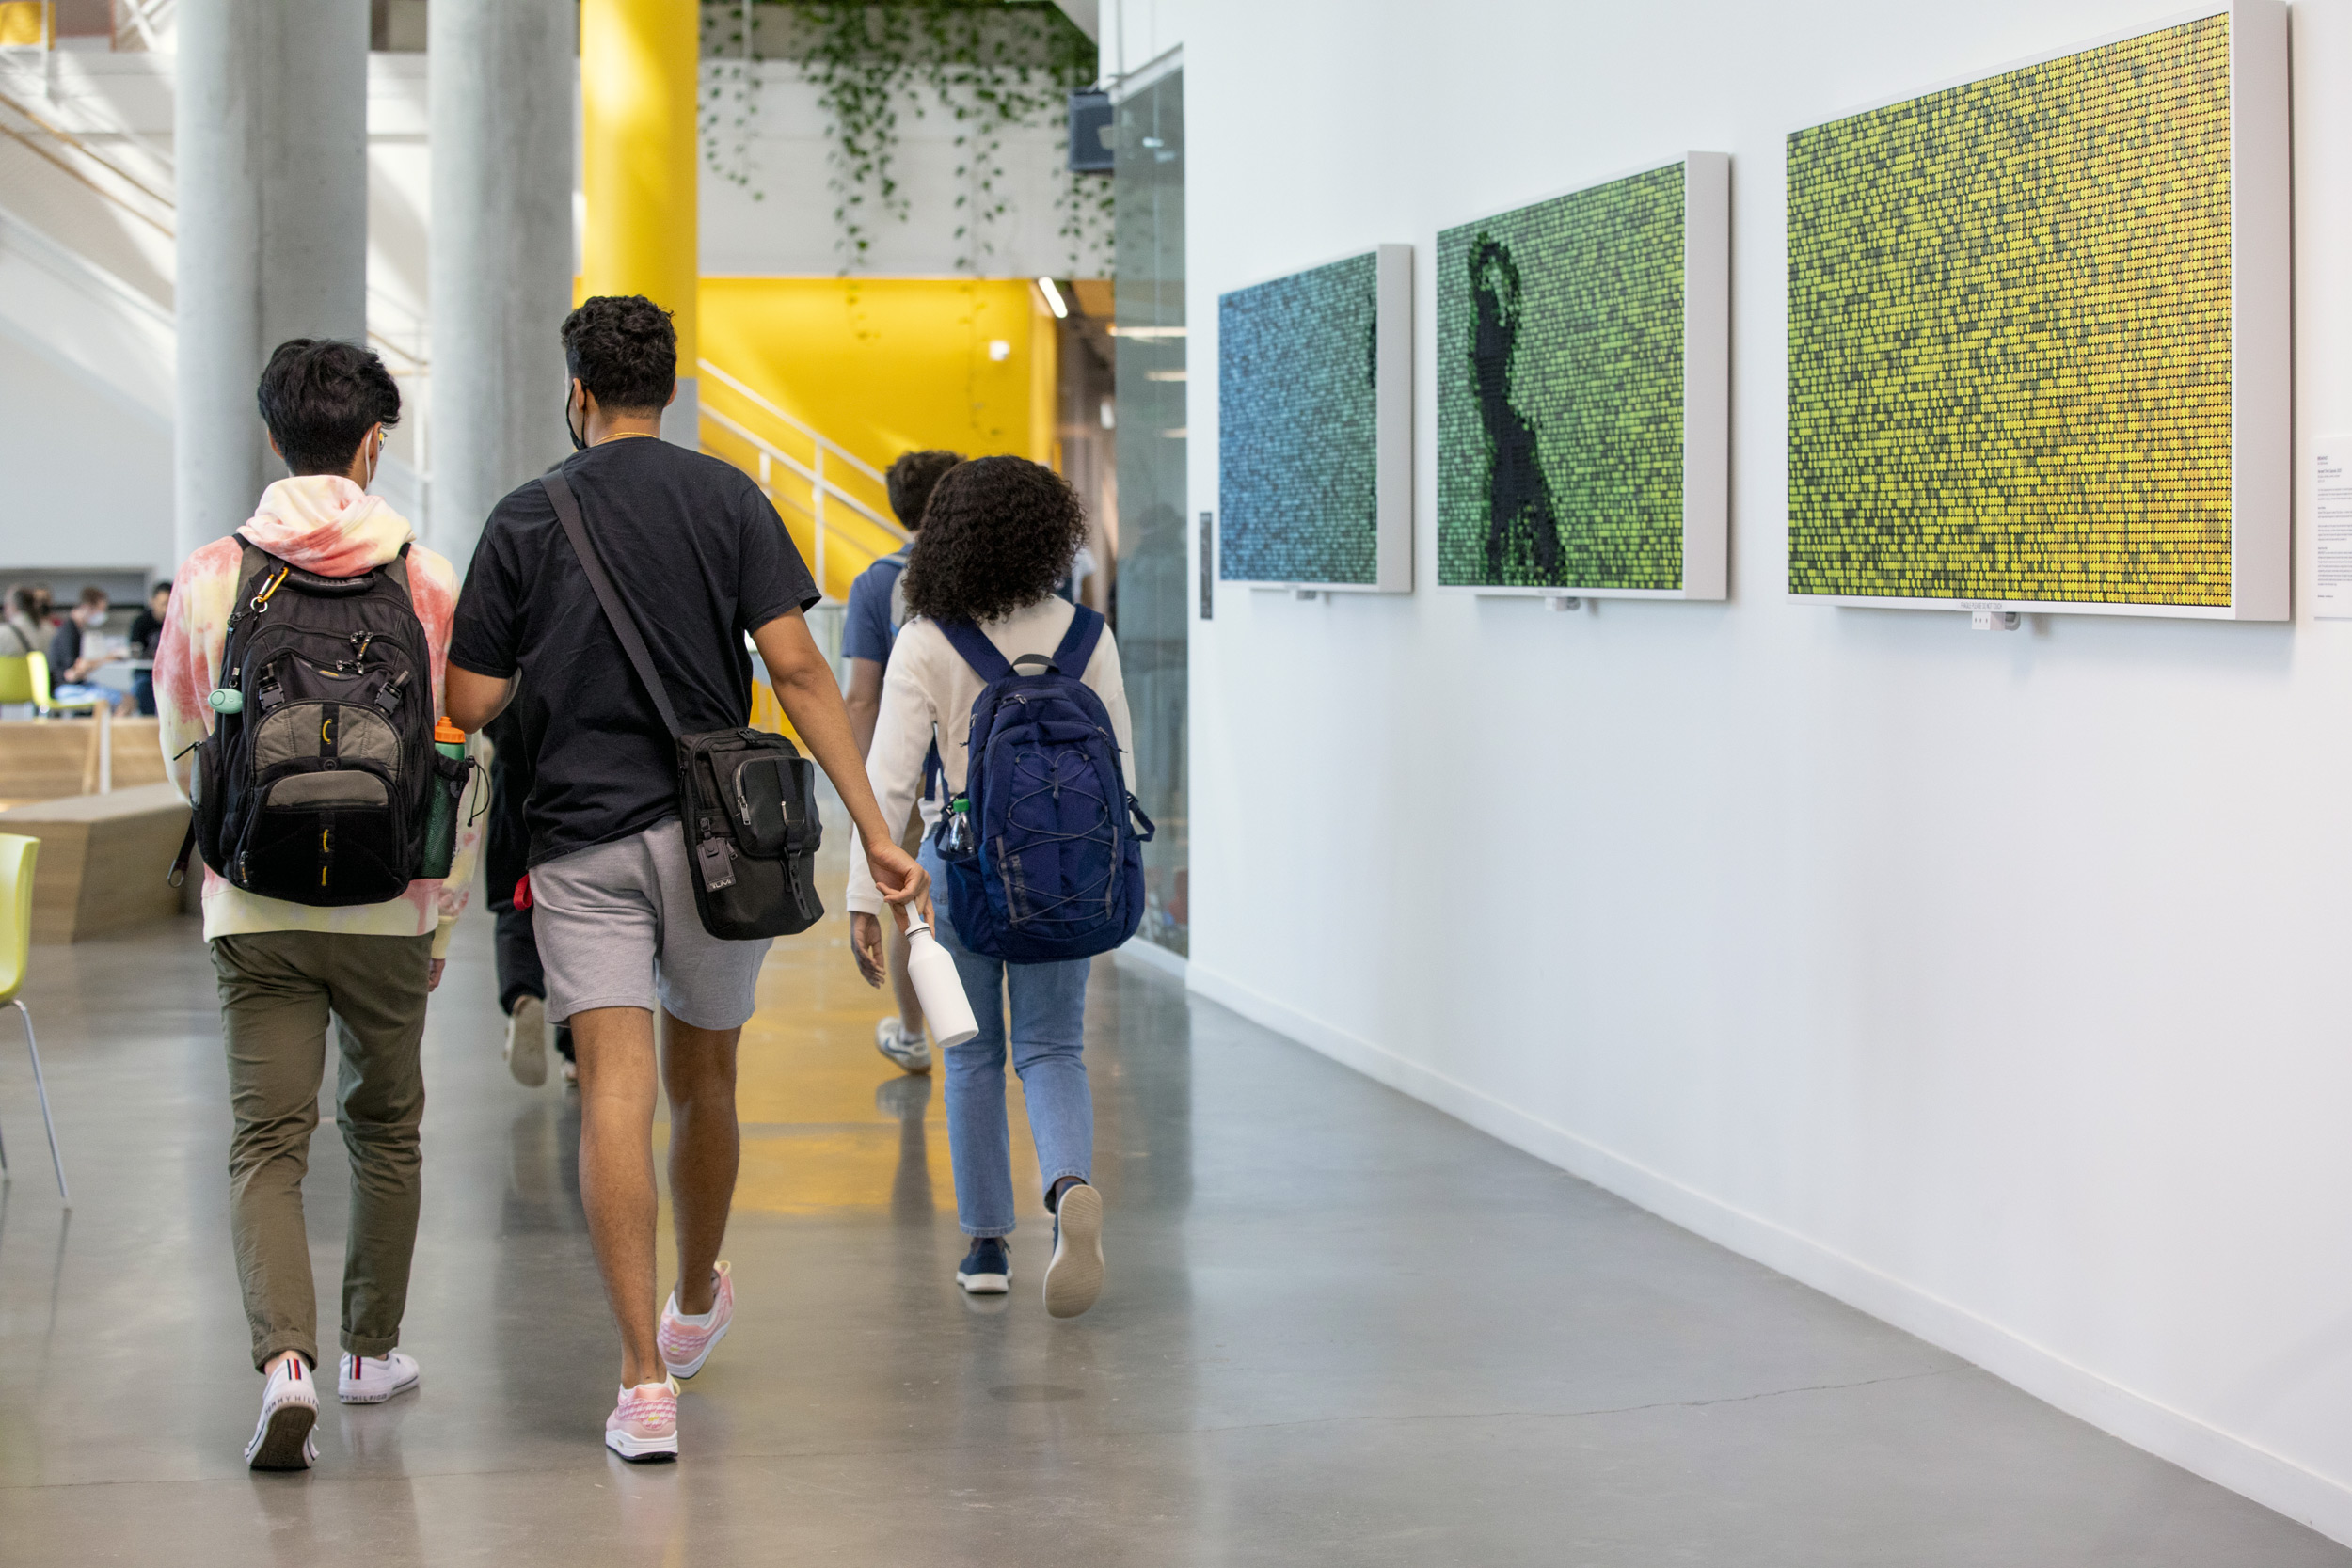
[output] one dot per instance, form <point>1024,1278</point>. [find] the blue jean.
<point>1048,1040</point>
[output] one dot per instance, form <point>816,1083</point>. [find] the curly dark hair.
<point>320,397</point>
<point>1000,533</point>
<point>909,480</point>
<point>624,349</point>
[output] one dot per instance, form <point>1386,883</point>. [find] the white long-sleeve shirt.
<point>928,689</point>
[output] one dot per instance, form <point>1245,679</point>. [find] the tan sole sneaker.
<point>1075,1278</point>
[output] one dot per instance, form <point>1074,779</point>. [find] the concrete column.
<point>639,85</point>
<point>271,129</point>
<point>500,89</point>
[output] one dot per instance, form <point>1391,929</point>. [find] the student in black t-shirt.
<point>702,561</point>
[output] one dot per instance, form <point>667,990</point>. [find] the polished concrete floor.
<point>1339,1328</point>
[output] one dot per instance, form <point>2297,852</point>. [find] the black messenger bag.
<point>746,800</point>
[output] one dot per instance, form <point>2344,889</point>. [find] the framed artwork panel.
<point>2039,334</point>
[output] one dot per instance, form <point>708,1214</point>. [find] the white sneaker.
<point>1075,1278</point>
<point>910,1053</point>
<point>527,1042</point>
<point>373,1379</point>
<point>290,1408</point>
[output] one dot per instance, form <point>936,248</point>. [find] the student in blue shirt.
<point>877,611</point>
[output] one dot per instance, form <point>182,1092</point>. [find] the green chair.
<point>46,700</point>
<point>16,951</point>
<point>16,680</point>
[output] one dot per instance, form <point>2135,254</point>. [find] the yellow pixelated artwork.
<point>2010,335</point>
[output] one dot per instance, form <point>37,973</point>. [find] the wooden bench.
<point>103,861</point>
<point>46,758</point>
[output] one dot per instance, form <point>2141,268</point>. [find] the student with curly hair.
<point>998,535</point>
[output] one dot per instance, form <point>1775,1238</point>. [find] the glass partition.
<point>1150,611</point>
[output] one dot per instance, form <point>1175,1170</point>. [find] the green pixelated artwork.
<point>2010,335</point>
<point>1559,391</point>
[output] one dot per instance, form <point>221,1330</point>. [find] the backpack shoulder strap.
<point>977,651</point>
<point>1077,644</point>
<point>400,576</point>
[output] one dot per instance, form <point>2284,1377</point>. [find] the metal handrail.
<point>814,477</point>
<point>848,456</point>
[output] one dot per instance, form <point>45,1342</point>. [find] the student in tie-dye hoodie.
<point>283,967</point>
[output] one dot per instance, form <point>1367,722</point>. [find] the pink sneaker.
<point>643,1426</point>
<point>686,1344</point>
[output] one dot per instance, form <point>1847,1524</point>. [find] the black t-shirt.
<point>64,647</point>
<point>699,557</point>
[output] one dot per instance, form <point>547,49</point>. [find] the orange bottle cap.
<point>444,729</point>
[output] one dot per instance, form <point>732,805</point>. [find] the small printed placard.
<point>2331,528</point>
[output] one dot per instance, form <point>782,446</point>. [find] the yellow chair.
<point>16,680</point>
<point>16,951</point>
<point>46,700</point>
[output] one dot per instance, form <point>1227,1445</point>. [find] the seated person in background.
<point>69,666</point>
<point>20,633</point>
<point>877,612</point>
<point>146,628</point>
<point>66,663</point>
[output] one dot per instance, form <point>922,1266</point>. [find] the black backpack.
<point>316,784</point>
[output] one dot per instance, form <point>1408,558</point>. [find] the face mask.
<point>580,439</point>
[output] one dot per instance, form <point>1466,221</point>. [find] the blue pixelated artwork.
<point>1298,427</point>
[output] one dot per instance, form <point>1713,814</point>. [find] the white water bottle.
<point>937,985</point>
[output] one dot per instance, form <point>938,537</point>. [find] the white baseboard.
<point>1153,956</point>
<point>2275,1482</point>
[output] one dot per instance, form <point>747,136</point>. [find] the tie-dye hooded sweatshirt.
<point>325,524</point>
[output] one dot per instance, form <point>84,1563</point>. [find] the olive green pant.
<point>276,989</point>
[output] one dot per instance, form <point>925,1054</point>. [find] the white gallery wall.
<point>1999,983</point>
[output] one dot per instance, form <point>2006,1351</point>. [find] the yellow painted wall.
<point>884,364</point>
<point>881,365</point>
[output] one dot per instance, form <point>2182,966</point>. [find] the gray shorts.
<point>616,928</point>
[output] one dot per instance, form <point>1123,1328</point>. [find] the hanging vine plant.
<point>994,69</point>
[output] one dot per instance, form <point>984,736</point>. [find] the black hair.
<point>1000,533</point>
<point>90,596</point>
<point>624,349</point>
<point>320,397</point>
<point>909,480</point>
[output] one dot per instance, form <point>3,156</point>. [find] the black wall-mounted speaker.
<point>1090,117</point>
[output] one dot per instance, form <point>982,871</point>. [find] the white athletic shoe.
<point>1075,1278</point>
<point>290,1408</point>
<point>527,1042</point>
<point>373,1379</point>
<point>910,1052</point>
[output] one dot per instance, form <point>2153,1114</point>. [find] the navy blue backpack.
<point>1054,868</point>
